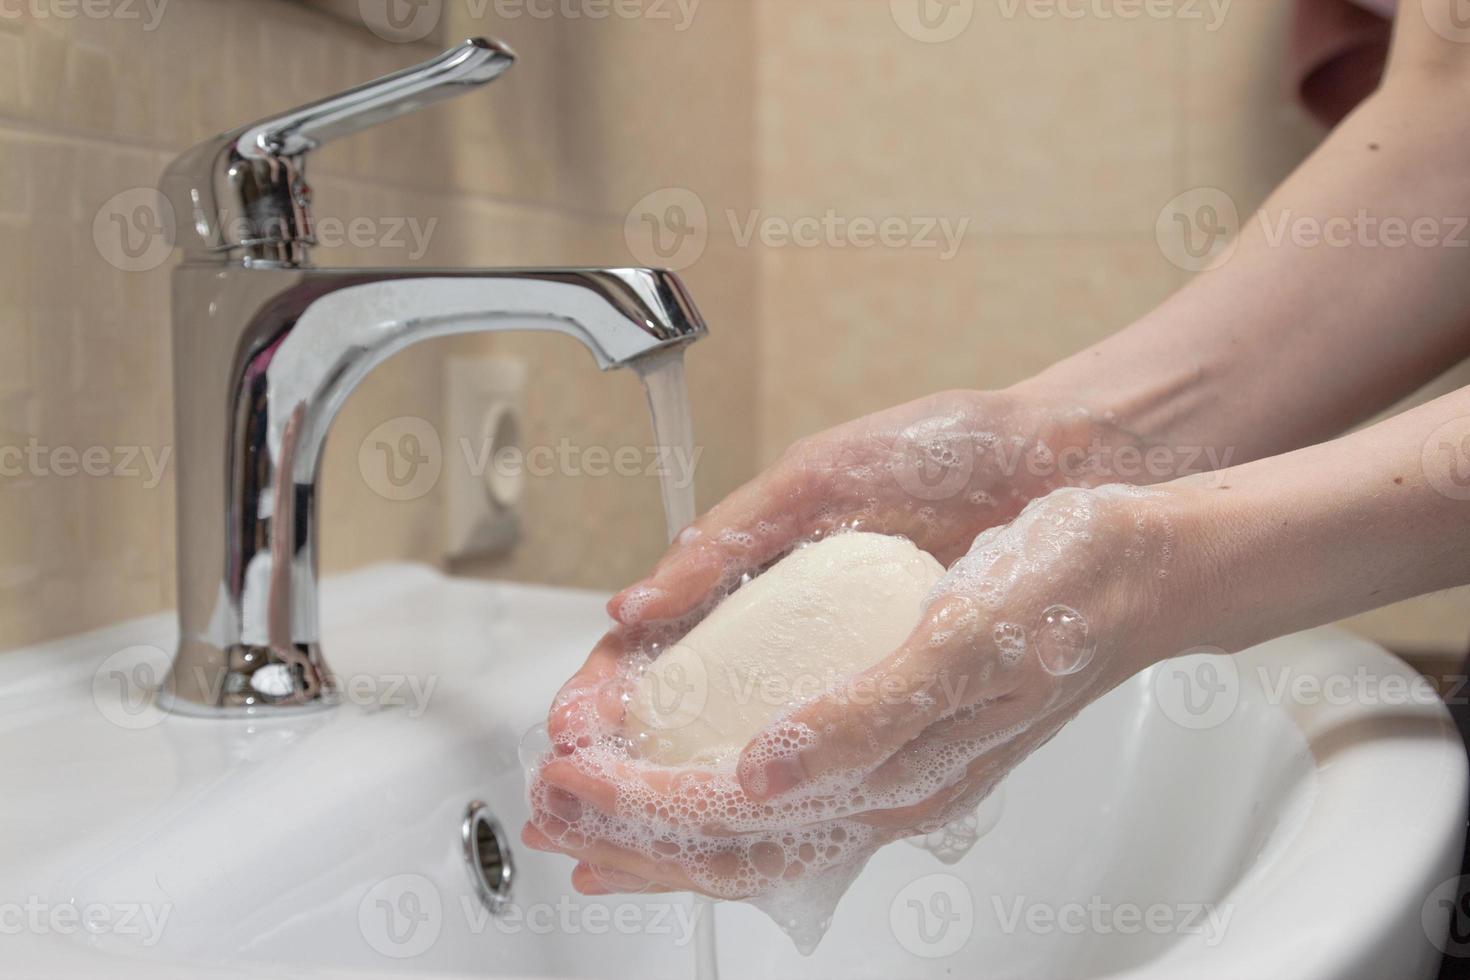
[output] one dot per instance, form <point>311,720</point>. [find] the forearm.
<point>1290,342</point>
<point>1309,537</point>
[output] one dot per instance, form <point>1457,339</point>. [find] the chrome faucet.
<point>267,348</point>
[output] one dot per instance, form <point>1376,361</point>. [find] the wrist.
<point>1183,533</point>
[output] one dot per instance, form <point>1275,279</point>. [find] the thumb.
<point>853,728</point>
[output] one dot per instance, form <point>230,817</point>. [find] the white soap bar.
<point>823,613</point>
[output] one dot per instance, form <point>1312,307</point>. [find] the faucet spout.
<point>264,359</point>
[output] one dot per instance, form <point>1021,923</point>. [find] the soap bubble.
<point>955,839</point>
<point>1010,640</point>
<point>1063,643</point>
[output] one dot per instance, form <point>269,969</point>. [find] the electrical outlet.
<point>484,398</point>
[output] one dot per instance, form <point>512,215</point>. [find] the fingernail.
<point>628,606</point>
<point>618,881</point>
<point>775,777</point>
<point>560,803</point>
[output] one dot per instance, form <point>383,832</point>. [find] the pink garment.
<point>1338,49</point>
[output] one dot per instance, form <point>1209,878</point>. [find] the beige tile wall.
<point>1056,142</point>
<point>541,168</point>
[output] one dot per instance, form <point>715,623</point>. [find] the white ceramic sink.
<point>1248,835</point>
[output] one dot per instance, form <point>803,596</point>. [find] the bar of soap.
<point>823,613</point>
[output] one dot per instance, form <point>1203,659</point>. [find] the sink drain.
<point>487,857</point>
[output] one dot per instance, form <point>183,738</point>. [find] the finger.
<point>560,803</point>
<point>754,525</point>
<point>854,728</point>
<point>548,835</point>
<point>590,701</point>
<point>594,879</point>
<point>598,789</point>
<point>625,790</point>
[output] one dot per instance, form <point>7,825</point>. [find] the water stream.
<point>673,433</point>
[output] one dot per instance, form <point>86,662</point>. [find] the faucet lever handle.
<point>245,190</point>
<point>473,63</point>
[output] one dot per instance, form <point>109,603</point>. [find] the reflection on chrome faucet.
<point>267,349</point>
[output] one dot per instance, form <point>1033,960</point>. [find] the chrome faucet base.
<point>246,681</point>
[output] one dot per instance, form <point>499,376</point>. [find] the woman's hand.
<point>1041,617</point>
